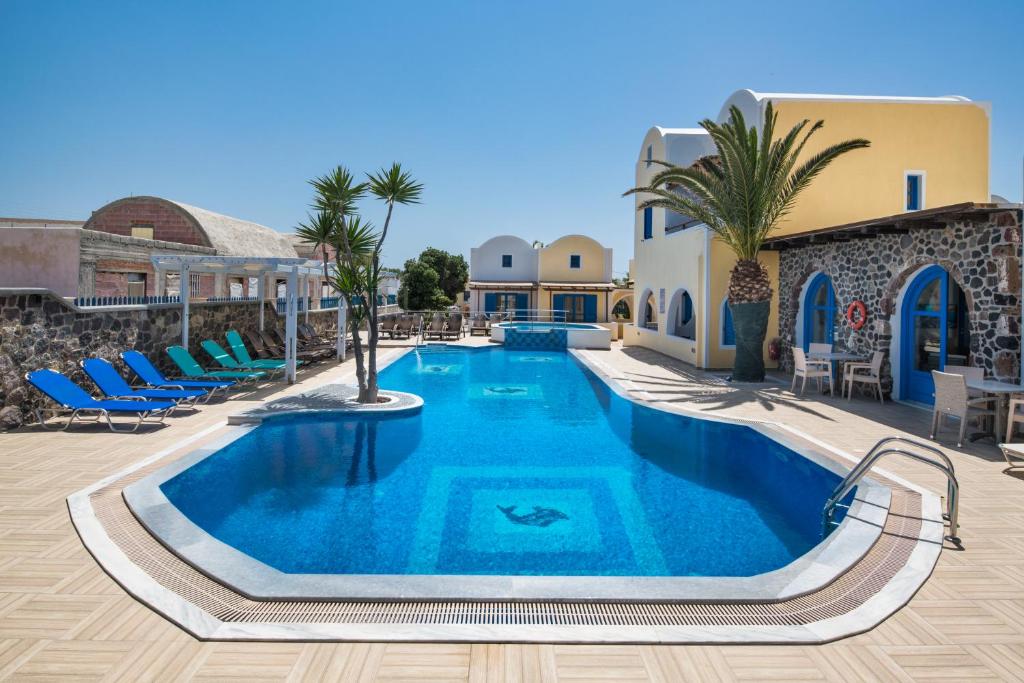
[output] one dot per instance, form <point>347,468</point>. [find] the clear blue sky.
<point>521,118</point>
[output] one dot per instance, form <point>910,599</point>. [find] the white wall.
<point>485,260</point>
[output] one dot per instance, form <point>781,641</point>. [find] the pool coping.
<point>250,577</point>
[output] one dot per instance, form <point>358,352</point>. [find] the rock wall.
<point>982,256</point>
<point>41,330</point>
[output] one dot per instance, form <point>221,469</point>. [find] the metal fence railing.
<point>101,301</point>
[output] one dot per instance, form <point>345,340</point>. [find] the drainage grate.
<point>889,554</point>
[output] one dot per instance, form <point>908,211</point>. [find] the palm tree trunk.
<point>750,295</point>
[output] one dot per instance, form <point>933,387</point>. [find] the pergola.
<point>297,271</point>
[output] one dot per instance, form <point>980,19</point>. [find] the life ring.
<point>857,314</point>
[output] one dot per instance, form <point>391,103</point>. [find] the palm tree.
<point>319,232</point>
<point>358,249</point>
<point>392,186</point>
<point>741,194</point>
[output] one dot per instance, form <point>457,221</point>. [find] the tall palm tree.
<point>741,193</point>
<point>392,186</point>
<point>319,232</point>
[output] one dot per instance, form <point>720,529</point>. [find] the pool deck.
<point>60,614</point>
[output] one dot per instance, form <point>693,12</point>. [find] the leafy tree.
<point>419,289</point>
<point>741,193</point>
<point>452,271</point>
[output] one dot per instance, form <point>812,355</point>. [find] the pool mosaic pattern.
<point>520,463</point>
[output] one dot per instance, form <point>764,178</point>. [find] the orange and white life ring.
<point>857,314</point>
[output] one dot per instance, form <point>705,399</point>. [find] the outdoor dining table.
<point>1001,390</point>
<point>835,358</point>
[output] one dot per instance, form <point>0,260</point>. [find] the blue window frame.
<point>574,261</point>
<point>575,308</point>
<point>650,155</point>
<point>934,332</point>
<point>819,312</point>
<point>914,191</point>
<point>648,223</point>
<point>506,260</point>
<point>728,333</point>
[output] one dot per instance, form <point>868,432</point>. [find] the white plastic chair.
<point>951,400</point>
<point>810,369</point>
<point>864,373</point>
<point>1013,416</point>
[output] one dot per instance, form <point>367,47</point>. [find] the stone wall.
<point>981,255</point>
<point>41,330</point>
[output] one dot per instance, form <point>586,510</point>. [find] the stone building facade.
<point>979,247</point>
<point>39,329</point>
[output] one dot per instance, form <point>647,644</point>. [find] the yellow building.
<point>576,278</point>
<point>925,152</point>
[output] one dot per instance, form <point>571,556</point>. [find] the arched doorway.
<point>935,331</point>
<point>648,310</point>
<point>681,320</point>
<point>819,317</point>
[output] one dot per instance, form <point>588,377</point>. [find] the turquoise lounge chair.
<point>242,354</point>
<point>74,399</point>
<point>152,377</point>
<point>104,376</point>
<point>190,368</point>
<point>226,360</point>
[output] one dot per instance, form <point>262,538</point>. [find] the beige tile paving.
<point>62,617</point>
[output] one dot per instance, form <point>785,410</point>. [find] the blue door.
<point>558,306</point>
<point>490,303</point>
<point>934,332</point>
<point>819,312</point>
<point>522,306</point>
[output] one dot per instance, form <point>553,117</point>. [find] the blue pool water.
<point>519,463</point>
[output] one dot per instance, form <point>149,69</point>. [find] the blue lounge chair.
<point>193,370</point>
<point>243,357</point>
<point>103,374</point>
<point>152,377</point>
<point>73,398</point>
<point>228,362</point>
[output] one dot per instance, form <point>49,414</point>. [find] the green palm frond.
<point>394,186</point>
<point>750,184</point>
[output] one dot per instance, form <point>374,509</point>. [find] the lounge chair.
<point>228,362</point>
<point>192,369</point>
<point>104,376</point>
<point>435,328</point>
<point>479,324</point>
<point>454,327</point>
<point>309,336</point>
<point>403,327</point>
<point>152,377</point>
<point>387,324</point>
<point>266,347</point>
<point>74,398</point>
<point>243,357</point>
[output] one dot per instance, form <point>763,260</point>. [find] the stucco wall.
<point>40,257</point>
<point>948,141</point>
<point>485,260</point>
<point>595,260</point>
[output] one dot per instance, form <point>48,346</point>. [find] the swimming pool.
<point>522,466</point>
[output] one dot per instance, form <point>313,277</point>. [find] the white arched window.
<point>682,319</point>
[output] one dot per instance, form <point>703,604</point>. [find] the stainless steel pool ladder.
<point>881,449</point>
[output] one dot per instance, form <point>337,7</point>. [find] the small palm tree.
<point>357,251</point>
<point>741,194</point>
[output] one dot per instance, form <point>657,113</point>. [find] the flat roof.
<point>887,225</point>
<point>578,285</point>
<point>481,284</point>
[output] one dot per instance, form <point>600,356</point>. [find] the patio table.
<point>835,358</point>
<point>1002,392</point>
